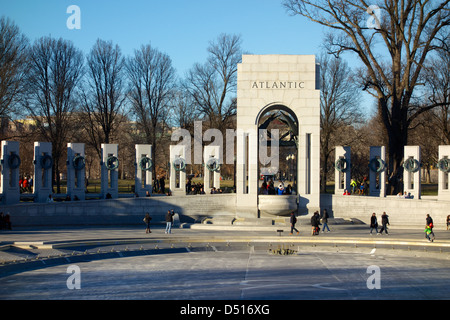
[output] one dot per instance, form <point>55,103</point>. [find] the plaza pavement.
<point>206,262</point>
<point>20,244</point>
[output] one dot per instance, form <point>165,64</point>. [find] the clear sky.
<point>180,28</point>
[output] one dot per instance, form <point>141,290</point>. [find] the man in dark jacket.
<point>373,223</point>
<point>293,222</point>
<point>325,220</point>
<point>384,223</point>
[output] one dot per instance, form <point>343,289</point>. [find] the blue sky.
<point>180,28</point>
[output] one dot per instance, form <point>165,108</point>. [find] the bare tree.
<point>339,106</point>
<point>438,84</point>
<point>13,57</point>
<point>183,110</point>
<point>213,84</point>
<point>54,72</point>
<point>152,81</point>
<point>406,31</point>
<point>103,95</point>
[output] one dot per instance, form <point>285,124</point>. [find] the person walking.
<point>430,225</point>
<point>428,233</point>
<point>147,220</point>
<point>169,221</point>
<point>293,222</point>
<point>384,223</point>
<point>325,220</point>
<point>353,184</point>
<point>315,224</point>
<point>448,221</point>
<point>373,223</point>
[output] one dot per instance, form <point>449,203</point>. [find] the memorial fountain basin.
<point>277,205</point>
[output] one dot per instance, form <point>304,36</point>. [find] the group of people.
<point>405,195</point>
<point>169,221</point>
<point>358,188</point>
<point>270,189</point>
<point>159,184</point>
<point>429,233</point>
<point>25,184</point>
<point>5,221</point>
<point>198,188</point>
<point>384,223</point>
<point>316,220</point>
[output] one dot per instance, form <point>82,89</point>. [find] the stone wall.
<point>120,211</point>
<point>402,212</point>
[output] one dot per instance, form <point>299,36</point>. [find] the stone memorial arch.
<point>278,134</point>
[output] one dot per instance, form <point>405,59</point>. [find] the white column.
<point>76,177</point>
<point>342,176</point>
<point>144,175</point>
<point>110,170</point>
<point>444,173</point>
<point>43,164</point>
<point>253,163</point>
<point>247,173</point>
<point>241,162</point>
<point>210,154</point>
<point>412,172</point>
<point>10,161</point>
<point>377,168</point>
<point>178,156</point>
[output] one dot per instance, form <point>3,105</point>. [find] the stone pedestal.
<point>212,162</point>
<point>377,168</point>
<point>412,172</point>
<point>10,161</point>
<point>110,171</point>
<point>144,170</point>
<point>247,174</point>
<point>178,170</point>
<point>43,165</point>
<point>76,177</point>
<point>342,176</point>
<point>444,173</point>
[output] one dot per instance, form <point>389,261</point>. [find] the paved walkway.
<point>50,241</point>
<point>212,263</point>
